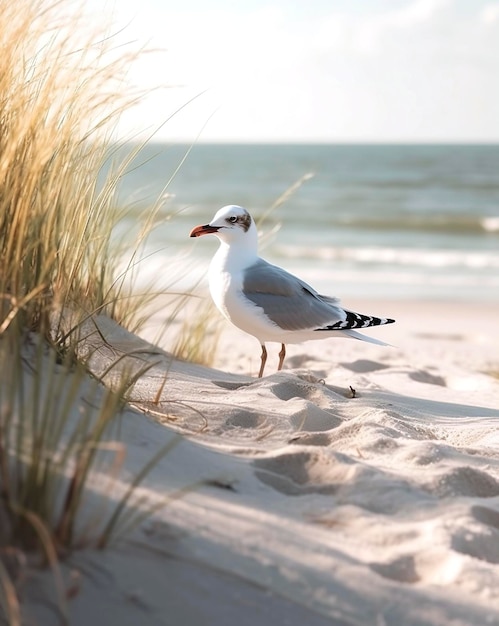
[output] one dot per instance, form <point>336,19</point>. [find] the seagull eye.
<point>232,219</point>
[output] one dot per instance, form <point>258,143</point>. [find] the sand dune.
<point>318,507</point>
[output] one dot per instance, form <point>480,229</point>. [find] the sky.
<point>315,71</point>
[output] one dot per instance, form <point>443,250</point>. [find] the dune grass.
<point>61,462</point>
<point>53,220</point>
<point>58,111</point>
<point>59,106</point>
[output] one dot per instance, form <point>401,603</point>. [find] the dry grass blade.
<point>10,610</point>
<point>110,529</point>
<point>49,551</point>
<point>144,510</point>
<point>284,197</point>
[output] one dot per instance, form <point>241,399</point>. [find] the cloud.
<point>490,13</point>
<point>417,12</point>
<point>368,34</point>
<point>425,69</point>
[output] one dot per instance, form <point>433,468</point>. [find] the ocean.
<point>367,221</point>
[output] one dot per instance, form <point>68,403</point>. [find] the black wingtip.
<point>357,320</point>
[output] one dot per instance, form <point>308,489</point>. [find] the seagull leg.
<point>282,354</point>
<point>264,360</point>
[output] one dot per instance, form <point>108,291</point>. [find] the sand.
<point>316,507</point>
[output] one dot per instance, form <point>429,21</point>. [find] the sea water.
<point>376,221</point>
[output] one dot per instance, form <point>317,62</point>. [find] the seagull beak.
<point>197,231</point>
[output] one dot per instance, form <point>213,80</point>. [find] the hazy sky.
<point>321,70</point>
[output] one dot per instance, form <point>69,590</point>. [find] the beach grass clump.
<point>61,464</point>
<point>54,420</point>
<point>58,110</point>
<point>59,431</point>
<point>59,106</point>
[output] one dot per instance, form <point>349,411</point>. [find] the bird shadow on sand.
<point>436,409</point>
<point>413,405</point>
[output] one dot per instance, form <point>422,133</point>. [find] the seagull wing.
<point>288,301</point>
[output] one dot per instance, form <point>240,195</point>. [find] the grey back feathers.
<point>288,301</point>
<point>293,305</point>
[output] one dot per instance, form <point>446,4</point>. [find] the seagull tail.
<point>355,335</point>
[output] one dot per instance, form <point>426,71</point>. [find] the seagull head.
<point>231,224</point>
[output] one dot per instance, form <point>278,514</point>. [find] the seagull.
<point>265,300</point>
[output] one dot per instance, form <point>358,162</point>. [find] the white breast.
<point>226,290</point>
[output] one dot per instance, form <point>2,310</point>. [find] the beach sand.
<point>318,504</point>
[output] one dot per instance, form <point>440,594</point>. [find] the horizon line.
<point>312,142</point>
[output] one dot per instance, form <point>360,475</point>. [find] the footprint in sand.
<point>307,404</point>
<point>483,545</point>
<point>311,439</point>
<point>464,481</point>
<point>434,566</point>
<point>402,569</point>
<point>306,471</point>
<point>363,366</point>
<point>421,376</point>
<point>482,542</point>
<point>488,517</point>
<point>245,419</point>
<point>442,565</point>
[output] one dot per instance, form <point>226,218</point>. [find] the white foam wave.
<point>490,224</point>
<point>396,256</point>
